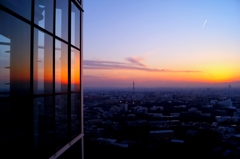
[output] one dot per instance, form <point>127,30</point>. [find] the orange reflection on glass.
<point>61,67</point>
<point>43,69</point>
<point>75,70</point>
<point>61,72</point>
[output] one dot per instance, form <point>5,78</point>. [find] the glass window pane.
<point>4,110</point>
<point>15,55</point>
<point>75,26</point>
<point>75,70</point>
<point>61,67</point>
<point>4,66</point>
<point>62,19</point>
<point>43,15</point>
<point>16,128</point>
<point>21,7</point>
<point>44,127</point>
<point>43,62</point>
<point>76,115</point>
<point>61,119</point>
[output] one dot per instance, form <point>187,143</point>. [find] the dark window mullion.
<point>54,44</point>
<point>32,49</point>
<point>53,65</point>
<point>43,30</point>
<point>75,47</point>
<point>69,67</point>
<point>60,39</point>
<point>81,68</point>
<point>79,5</point>
<point>31,109</point>
<point>69,46</point>
<point>9,11</point>
<point>52,34</point>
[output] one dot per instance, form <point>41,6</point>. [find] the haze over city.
<point>161,43</point>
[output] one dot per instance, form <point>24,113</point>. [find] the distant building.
<point>237,113</point>
<point>220,119</point>
<point>193,110</point>
<point>177,141</point>
<point>112,142</point>
<point>114,109</point>
<point>155,115</point>
<point>175,114</point>
<point>94,121</point>
<point>106,140</point>
<point>161,135</point>
<point>131,115</point>
<point>140,110</point>
<point>226,103</point>
<point>154,108</point>
<point>124,107</point>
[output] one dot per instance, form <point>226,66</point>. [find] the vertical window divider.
<point>31,109</point>
<point>32,48</point>
<point>69,66</point>
<point>53,65</point>
<point>81,67</point>
<point>69,45</point>
<point>54,45</point>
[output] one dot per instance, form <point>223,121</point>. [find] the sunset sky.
<point>161,43</point>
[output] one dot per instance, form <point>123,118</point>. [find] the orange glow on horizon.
<point>208,75</point>
<point>221,73</point>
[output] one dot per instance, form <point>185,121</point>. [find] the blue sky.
<point>184,41</point>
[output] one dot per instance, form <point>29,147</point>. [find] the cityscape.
<point>83,79</point>
<point>161,79</point>
<point>162,122</point>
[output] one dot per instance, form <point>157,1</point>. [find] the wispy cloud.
<point>135,61</point>
<point>108,65</point>
<point>204,23</point>
<point>93,64</point>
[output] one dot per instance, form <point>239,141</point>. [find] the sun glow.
<point>221,73</point>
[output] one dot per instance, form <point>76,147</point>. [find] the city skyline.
<point>161,43</point>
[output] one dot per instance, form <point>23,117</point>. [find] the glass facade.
<point>40,79</point>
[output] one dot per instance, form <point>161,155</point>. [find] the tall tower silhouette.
<point>133,92</point>
<point>133,85</point>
